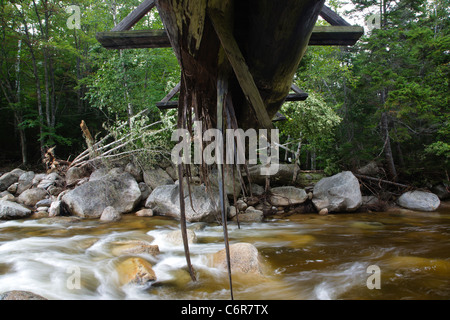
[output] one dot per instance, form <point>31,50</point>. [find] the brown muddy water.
<point>308,257</point>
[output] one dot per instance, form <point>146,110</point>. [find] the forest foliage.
<point>384,99</point>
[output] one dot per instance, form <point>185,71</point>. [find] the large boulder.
<point>135,171</point>
<point>157,177</point>
<point>419,200</point>
<point>176,237</point>
<point>25,182</point>
<point>134,247</point>
<point>286,196</point>
<point>75,174</point>
<point>165,200</point>
<point>250,215</point>
<point>9,178</point>
<point>12,210</point>
<point>32,196</point>
<point>20,295</point>
<point>338,193</point>
<point>120,191</point>
<point>232,185</point>
<point>51,179</point>
<point>285,176</point>
<point>135,270</point>
<point>110,214</point>
<point>244,258</point>
<point>99,174</point>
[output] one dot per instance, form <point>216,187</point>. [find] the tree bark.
<point>392,172</point>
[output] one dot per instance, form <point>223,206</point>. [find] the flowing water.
<point>308,257</point>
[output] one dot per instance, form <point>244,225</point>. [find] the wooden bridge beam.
<point>135,39</point>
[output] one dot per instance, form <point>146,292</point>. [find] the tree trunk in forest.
<point>392,172</point>
<point>38,89</point>
<point>130,110</point>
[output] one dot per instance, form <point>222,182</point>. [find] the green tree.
<point>402,85</point>
<point>310,123</point>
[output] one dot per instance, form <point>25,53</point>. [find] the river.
<point>309,257</point>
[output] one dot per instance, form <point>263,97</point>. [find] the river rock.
<point>51,179</point>
<point>75,175</point>
<point>38,178</point>
<point>44,203</point>
<point>176,238</point>
<point>419,200</point>
<point>442,191</point>
<point>135,271</point>
<point>110,214</point>
<point>244,258</point>
<point>165,200</point>
<point>39,215</point>
<point>25,182</point>
<point>172,172</point>
<point>232,211</point>
<point>145,190</point>
<point>370,169</point>
<point>91,198</point>
<point>55,209</point>
<point>157,177</point>
<point>338,193</point>
<point>9,178</point>
<point>12,210</point>
<point>98,174</point>
<point>145,212</point>
<point>135,247</point>
<point>13,188</point>
<point>32,196</point>
<point>250,215</point>
<point>5,195</point>
<point>284,176</point>
<point>20,295</point>
<point>135,171</point>
<point>241,205</point>
<point>232,185</point>
<point>256,189</point>
<point>286,196</point>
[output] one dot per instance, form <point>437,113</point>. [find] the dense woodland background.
<point>384,99</point>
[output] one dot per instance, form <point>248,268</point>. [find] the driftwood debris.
<point>88,138</point>
<point>52,164</point>
<point>381,181</point>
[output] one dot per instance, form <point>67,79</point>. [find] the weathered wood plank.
<point>332,17</point>
<point>240,68</point>
<point>297,97</point>
<point>298,90</point>
<point>135,16</point>
<point>134,39</point>
<point>167,105</point>
<point>172,92</point>
<point>335,35</point>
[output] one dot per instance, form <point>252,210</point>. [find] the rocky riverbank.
<point>108,193</point>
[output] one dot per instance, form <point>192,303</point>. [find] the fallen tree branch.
<point>79,160</point>
<point>381,180</point>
